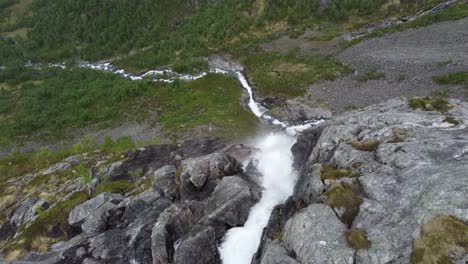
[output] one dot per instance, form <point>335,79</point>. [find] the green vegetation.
<point>371,75</point>
<point>191,66</point>
<point>357,239</point>
<point>121,187</point>
<point>369,145</point>
<point>212,28</point>
<point>288,75</point>
<point>342,196</point>
<point>329,173</point>
<point>298,12</point>
<point>96,29</point>
<point>84,177</point>
<point>55,99</point>
<point>430,104</point>
<point>212,100</point>
<point>440,236</point>
<point>117,146</point>
<point>460,78</point>
<point>454,12</point>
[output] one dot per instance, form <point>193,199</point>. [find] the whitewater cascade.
<point>274,161</point>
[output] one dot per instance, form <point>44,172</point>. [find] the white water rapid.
<point>274,162</point>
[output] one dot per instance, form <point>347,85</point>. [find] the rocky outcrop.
<point>189,206</point>
<point>151,158</point>
<point>199,176</point>
<point>231,201</point>
<point>382,172</point>
<point>375,186</point>
<point>315,235</point>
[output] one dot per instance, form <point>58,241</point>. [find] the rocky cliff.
<point>386,184</point>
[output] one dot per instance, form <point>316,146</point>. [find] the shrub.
<point>430,104</point>
<point>452,78</point>
<point>438,238</point>
<point>329,173</point>
<point>357,239</point>
<point>370,145</point>
<point>341,196</point>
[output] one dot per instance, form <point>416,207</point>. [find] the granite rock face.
<point>404,167</point>
<point>164,223</point>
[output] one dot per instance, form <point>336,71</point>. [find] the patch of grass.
<point>121,187</point>
<point>452,78</point>
<point>120,145</point>
<point>357,239</point>
<point>329,173</point>
<point>372,74</point>
<point>341,196</point>
<point>212,100</point>
<point>451,120</point>
<point>430,104</point>
<point>439,237</point>
<point>276,74</point>
<point>369,145</point>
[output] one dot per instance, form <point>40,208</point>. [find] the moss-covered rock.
<point>368,145</point>
<point>441,237</point>
<point>357,239</point>
<point>329,173</point>
<point>49,227</point>
<point>430,104</point>
<point>341,197</point>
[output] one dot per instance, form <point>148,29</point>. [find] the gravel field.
<point>408,60</point>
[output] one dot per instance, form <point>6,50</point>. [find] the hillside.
<point>217,131</point>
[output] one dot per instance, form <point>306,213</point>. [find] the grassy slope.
<point>53,100</point>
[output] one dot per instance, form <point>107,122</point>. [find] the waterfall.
<point>274,161</point>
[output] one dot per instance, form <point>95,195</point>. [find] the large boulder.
<point>315,235</point>
<point>231,201</point>
<point>198,248</point>
<point>200,176</point>
<point>93,214</point>
<point>275,253</point>
<point>172,224</point>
